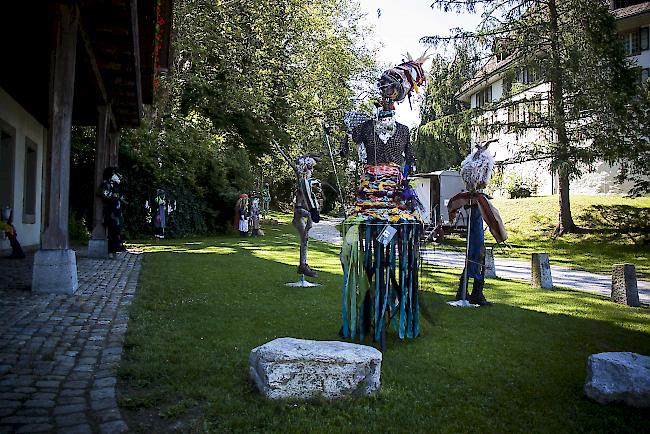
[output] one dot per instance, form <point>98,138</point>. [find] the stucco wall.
<point>24,125</point>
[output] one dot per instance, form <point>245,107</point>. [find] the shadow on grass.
<point>517,366</point>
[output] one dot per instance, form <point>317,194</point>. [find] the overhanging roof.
<point>121,36</point>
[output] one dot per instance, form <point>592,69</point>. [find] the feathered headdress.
<point>400,81</point>
<point>476,168</point>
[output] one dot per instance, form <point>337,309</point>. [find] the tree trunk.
<point>562,158</point>
<point>565,220</point>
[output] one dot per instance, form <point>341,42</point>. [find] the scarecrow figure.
<point>255,216</point>
<point>159,220</point>
<point>113,219</point>
<point>266,200</point>
<point>476,171</point>
<point>10,232</point>
<point>306,205</point>
<point>380,253</point>
<point>241,215</point>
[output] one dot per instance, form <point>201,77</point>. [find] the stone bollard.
<point>490,270</point>
<point>624,288</point>
<point>541,271</point>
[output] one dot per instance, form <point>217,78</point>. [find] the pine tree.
<point>573,46</point>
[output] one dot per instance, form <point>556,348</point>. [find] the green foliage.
<point>519,186</point>
<point>243,73</point>
<point>187,346</point>
<point>443,138</point>
<point>77,229</point>
<point>589,109</point>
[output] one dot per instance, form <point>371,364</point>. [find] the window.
<point>514,116</point>
<point>644,36</point>
<point>484,96</point>
<point>632,42</point>
<point>7,141</point>
<point>534,108</point>
<point>527,75</point>
<point>29,192</point>
<point>507,85</point>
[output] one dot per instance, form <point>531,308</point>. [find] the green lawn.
<point>518,366</point>
<point>614,231</point>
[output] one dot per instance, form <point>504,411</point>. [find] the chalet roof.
<point>492,67</point>
<point>631,11</point>
<point>483,75</point>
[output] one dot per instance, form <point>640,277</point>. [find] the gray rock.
<point>303,369</point>
<point>619,377</point>
<point>624,285</point>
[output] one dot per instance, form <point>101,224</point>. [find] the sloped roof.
<point>631,11</point>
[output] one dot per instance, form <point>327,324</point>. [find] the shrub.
<point>517,186</point>
<point>77,229</point>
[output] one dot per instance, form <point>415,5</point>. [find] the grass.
<point>615,230</point>
<point>518,366</point>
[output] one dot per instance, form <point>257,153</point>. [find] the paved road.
<point>505,268</point>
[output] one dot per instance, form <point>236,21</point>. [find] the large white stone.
<point>619,377</point>
<point>55,271</point>
<point>303,369</point>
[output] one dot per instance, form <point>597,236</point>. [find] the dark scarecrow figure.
<point>10,232</point>
<point>113,220</point>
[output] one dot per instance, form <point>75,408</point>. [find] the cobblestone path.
<point>59,353</point>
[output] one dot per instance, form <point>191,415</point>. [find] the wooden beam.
<point>62,78</point>
<point>136,56</point>
<point>102,155</point>
<point>93,62</point>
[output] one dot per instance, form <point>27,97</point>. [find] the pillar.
<point>55,264</point>
<point>98,244</point>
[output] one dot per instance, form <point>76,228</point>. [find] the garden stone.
<point>541,271</point>
<point>619,377</point>
<point>303,369</point>
<point>624,286</point>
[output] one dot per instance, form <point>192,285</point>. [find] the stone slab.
<point>304,369</point>
<point>55,271</point>
<point>619,377</point>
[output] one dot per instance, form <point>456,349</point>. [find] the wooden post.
<point>55,265</point>
<point>624,285</point>
<point>62,78</point>
<point>114,148</point>
<point>541,271</point>
<point>98,245</point>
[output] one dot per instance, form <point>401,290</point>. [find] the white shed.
<point>434,190</point>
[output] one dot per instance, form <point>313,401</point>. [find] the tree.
<point>574,46</point>
<point>443,137</point>
<point>243,73</point>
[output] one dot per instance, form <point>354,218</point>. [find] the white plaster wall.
<point>25,125</point>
